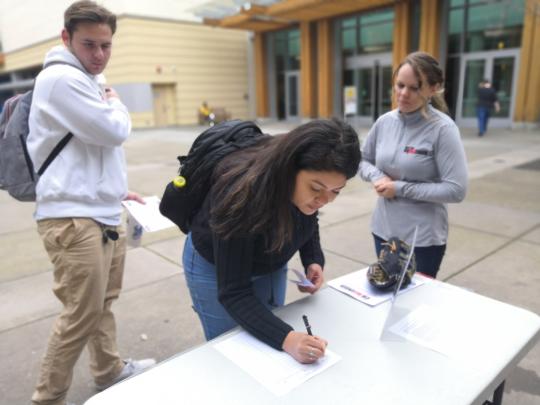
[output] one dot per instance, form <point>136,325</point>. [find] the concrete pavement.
<point>493,249</point>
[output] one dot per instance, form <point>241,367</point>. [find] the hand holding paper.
<point>147,214</point>
<point>133,196</point>
<point>302,279</point>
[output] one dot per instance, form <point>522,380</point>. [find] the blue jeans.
<point>201,280</point>
<point>482,113</point>
<point>428,259</point>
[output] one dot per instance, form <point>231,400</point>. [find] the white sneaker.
<point>131,367</point>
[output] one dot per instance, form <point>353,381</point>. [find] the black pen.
<point>308,326</point>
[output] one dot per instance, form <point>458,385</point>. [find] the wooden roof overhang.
<point>285,13</point>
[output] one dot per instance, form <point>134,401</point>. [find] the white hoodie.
<point>88,177</point>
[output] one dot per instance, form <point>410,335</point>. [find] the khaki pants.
<point>87,279</point>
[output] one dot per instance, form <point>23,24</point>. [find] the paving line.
<point>483,167</point>
<point>55,313</point>
<point>504,245</point>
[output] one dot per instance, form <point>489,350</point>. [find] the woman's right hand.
<point>384,186</point>
<point>304,348</point>
<point>381,181</point>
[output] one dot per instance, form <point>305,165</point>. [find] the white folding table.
<point>495,336</point>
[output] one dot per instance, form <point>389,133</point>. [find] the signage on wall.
<point>349,100</point>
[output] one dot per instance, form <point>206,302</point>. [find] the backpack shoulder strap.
<point>54,153</point>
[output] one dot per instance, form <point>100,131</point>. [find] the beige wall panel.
<point>27,22</point>
<point>206,63</point>
<point>142,120</point>
<point>28,57</point>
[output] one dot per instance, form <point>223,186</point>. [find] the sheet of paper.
<point>443,330</point>
<point>275,370</point>
<point>148,214</point>
<point>357,286</point>
<point>302,280</point>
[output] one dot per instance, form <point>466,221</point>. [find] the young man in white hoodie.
<point>78,204</point>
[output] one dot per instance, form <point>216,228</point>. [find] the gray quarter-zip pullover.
<point>426,159</point>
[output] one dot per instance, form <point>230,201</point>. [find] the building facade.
<point>162,68</point>
<point>336,58</point>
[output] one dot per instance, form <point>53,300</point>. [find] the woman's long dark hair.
<point>254,187</point>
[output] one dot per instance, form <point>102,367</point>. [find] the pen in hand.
<point>308,326</point>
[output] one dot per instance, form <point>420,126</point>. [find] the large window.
<point>367,33</point>
<point>480,25</point>
<point>5,78</point>
<point>451,87</point>
<point>349,35</point>
<point>287,48</point>
<point>414,24</point>
<point>287,64</point>
<point>455,30</point>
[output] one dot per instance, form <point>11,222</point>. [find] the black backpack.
<point>181,201</point>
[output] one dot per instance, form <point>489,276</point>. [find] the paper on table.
<point>443,330</point>
<point>275,370</point>
<point>302,280</point>
<point>148,214</point>
<point>357,286</point>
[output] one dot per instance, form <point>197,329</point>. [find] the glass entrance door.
<point>372,77</point>
<point>500,67</point>
<point>292,94</point>
<point>502,77</point>
<point>364,83</point>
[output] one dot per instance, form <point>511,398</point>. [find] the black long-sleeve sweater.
<point>238,260</point>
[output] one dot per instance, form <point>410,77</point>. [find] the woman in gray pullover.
<point>415,160</point>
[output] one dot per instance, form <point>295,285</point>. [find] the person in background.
<point>78,201</point>
<point>261,209</point>
<point>416,162</point>
<point>206,116</point>
<point>487,101</point>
